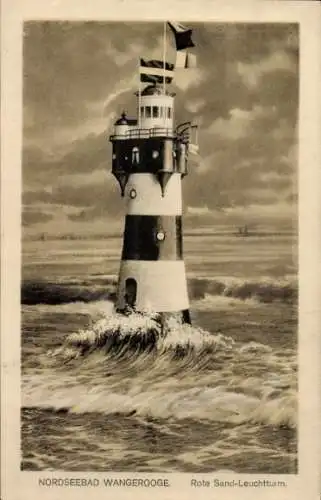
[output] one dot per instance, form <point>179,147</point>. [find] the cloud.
<point>102,195</point>
<point>78,78</point>
<point>61,223</point>
<point>251,73</point>
<point>258,212</point>
<point>121,57</point>
<point>32,217</point>
<point>240,122</point>
<point>187,78</point>
<point>195,105</point>
<point>203,210</point>
<point>81,156</point>
<point>96,177</point>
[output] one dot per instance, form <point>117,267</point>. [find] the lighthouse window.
<point>135,155</point>
<point>133,193</point>
<point>142,111</point>
<point>169,114</point>
<point>147,112</point>
<point>155,112</point>
<point>160,235</point>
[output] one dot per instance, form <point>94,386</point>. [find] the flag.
<point>153,71</point>
<point>185,60</point>
<point>180,60</point>
<point>183,36</point>
<point>154,79</point>
<point>155,63</point>
<point>190,62</point>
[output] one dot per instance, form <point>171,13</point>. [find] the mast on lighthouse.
<point>149,160</point>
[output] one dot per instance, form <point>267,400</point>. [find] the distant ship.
<point>243,231</point>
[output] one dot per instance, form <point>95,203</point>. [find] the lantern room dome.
<point>122,120</point>
<point>153,89</point>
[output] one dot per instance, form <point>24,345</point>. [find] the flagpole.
<point>139,96</point>
<point>164,58</point>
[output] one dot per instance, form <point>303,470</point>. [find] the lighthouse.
<point>149,161</point>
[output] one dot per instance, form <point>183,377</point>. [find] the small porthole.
<point>155,154</point>
<point>160,235</point>
<point>133,193</point>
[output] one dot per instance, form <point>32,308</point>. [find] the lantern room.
<point>155,108</point>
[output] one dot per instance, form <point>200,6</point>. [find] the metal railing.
<point>145,133</point>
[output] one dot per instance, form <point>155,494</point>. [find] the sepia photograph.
<point>159,253</point>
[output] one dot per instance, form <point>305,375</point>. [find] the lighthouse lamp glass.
<point>160,235</point>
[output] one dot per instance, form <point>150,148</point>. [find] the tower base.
<point>180,316</point>
<point>164,318</point>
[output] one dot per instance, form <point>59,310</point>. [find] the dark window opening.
<point>155,112</point>
<point>147,112</point>
<point>130,292</point>
<point>135,156</point>
<point>186,316</point>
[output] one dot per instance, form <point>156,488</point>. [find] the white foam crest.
<point>250,291</point>
<point>185,335</point>
<point>254,347</point>
<point>113,329</point>
<point>278,411</point>
<point>123,325</point>
<point>96,308</point>
<point>230,281</point>
<point>155,390</point>
<point>216,302</point>
<point>198,403</point>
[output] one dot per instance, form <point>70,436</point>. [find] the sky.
<point>79,76</point>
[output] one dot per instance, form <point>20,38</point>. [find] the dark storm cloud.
<point>100,210</point>
<point>104,196</point>
<point>79,76</point>
<point>226,47</point>
<point>85,156</point>
<point>34,217</point>
<point>67,65</point>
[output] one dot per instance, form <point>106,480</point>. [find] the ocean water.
<point>104,392</point>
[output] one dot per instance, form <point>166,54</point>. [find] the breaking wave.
<point>182,373</point>
<point>119,335</point>
<point>265,290</point>
<point>208,404</point>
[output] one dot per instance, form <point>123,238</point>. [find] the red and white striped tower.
<point>149,162</point>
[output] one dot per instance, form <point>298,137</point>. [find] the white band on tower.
<point>144,196</point>
<point>149,163</point>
